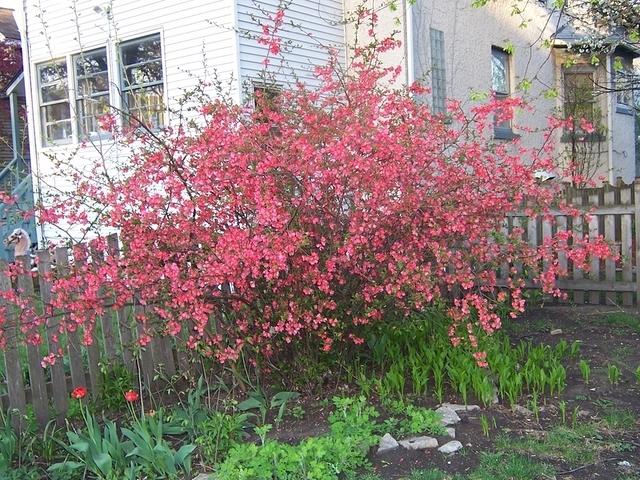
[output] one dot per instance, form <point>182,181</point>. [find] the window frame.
<point>577,134</point>
<point>626,73</point>
<point>128,89</point>
<point>438,70</point>
<point>502,130</point>
<point>42,105</point>
<point>82,98</point>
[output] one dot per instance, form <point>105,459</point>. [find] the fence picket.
<point>39,397</point>
<point>93,350</point>
<point>76,364</point>
<point>636,198</point>
<point>15,378</point>
<point>58,377</point>
<point>626,245</point>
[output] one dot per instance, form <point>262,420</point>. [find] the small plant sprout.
<point>585,369</point>
<point>613,372</point>
<point>534,405</point>
<point>575,349</point>
<point>484,422</point>
<point>262,432</point>
<point>563,411</point>
<point>637,373</point>
<point>574,416</point>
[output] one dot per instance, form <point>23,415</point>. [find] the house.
<point>15,176</point>
<point>139,58</point>
<point>466,53</point>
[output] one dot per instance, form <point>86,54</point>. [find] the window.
<point>142,82</point>
<point>438,79</point>
<point>579,98</point>
<point>501,87</point>
<point>92,91</point>
<point>55,110</point>
<point>624,80</point>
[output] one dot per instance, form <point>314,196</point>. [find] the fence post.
<point>636,187</point>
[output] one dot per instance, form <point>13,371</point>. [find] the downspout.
<point>610,109</point>
<point>15,127</point>
<point>31,105</point>
<point>408,18</point>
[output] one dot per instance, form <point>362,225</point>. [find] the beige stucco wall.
<point>469,34</point>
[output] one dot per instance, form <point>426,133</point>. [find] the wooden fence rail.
<point>615,215</point>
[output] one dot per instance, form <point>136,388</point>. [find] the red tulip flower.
<point>79,393</point>
<point>131,396</point>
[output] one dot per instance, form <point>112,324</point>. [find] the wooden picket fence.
<point>615,215</point>
<point>115,336</point>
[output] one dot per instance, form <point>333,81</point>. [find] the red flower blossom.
<point>131,396</point>
<point>78,393</point>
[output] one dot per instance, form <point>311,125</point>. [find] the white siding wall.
<point>310,28</point>
<point>197,40</point>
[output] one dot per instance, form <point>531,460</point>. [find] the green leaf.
<point>103,462</point>
<point>249,404</point>
<point>283,397</point>
<point>183,453</point>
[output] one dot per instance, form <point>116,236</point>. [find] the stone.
<point>450,447</point>
<point>461,408</point>
<point>519,409</point>
<point>449,416</point>
<point>387,443</point>
<point>451,432</point>
<point>203,476</point>
<point>419,443</point>
<point>624,464</point>
<point>557,331</point>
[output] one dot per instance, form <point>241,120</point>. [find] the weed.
<point>579,445</point>
<point>297,411</point>
<point>115,380</point>
<point>430,474</point>
<point>423,420</point>
<point>219,432</point>
<point>258,401</point>
<point>621,319</point>
<point>340,453</point>
<point>508,466</point>
<point>637,374</point>
<point>617,418</point>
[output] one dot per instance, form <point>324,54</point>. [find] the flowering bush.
<point>319,211</point>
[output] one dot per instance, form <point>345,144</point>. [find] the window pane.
<point>438,78</point>
<point>89,112</point>
<point>93,85</point>
<point>54,93</point>
<point>55,113</point>
<point>146,106</point>
<point>91,63</point>
<point>145,73</point>
<point>58,131</point>
<point>145,50</point>
<point>53,72</point>
<point>579,95</point>
<point>500,71</point>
